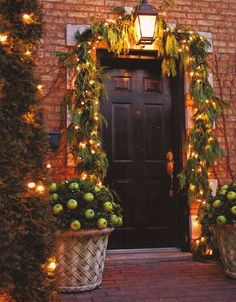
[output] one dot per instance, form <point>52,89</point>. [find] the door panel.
<point>139,114</point>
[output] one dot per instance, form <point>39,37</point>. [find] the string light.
<point>28,53</point>
<point>96,117</point>
<point>192,187</point>
<point>40,188</point>
<point>203,239</point>
<point>51,265</point>
<point>84,175</point>
<point>31,185</point>
<point>27,18</point>
<point>3,38</point>
<point>40,87</point>
<point>82,145</point>
<point>48,166</point>
<point>76,127</point>
<point>28,117</point>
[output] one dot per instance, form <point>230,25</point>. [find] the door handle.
<point>170,171</point>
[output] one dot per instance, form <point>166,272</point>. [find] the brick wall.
<point>215,16</point>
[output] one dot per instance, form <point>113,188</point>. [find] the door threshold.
<point>143,250</point>
<point>148,254</point>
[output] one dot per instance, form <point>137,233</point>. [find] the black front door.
<point>137,141</point>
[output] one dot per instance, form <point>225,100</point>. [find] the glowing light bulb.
<point>93,151</point>
<point>192,187</point>
<point>28,53</point>
<point>31,185</point>
<point>203,239</point>
<point>84,176</point>
<point>52,265</point>
<point>191,73</point>
<point>76,127</point>
<point>48,166</point>
<point>40,188</point>
<point>3,38</point>
<point>27,18</point>
<point>40,87</point>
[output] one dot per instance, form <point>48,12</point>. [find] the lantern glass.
<point>147,26</point>
<point>145,22</point>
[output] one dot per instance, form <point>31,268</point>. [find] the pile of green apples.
<point>221,209</point>
<point>79,204</point>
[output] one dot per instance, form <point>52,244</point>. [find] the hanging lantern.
<point>145,22</point>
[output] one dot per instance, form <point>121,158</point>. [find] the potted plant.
<point>86,215</point>
<point>219,214</point>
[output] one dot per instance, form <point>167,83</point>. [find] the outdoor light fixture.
<point>145,22</point>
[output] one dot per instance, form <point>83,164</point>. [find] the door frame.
<point>177,85</point>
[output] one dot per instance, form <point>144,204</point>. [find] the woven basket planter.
<point>226,239</point>
<point>81,256</point>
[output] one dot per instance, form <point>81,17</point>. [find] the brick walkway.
<point>182,281</point>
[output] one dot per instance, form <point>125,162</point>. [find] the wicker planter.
<point>226,239</point>
<point>81,256</point>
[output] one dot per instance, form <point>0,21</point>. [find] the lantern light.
<point>145,22</point>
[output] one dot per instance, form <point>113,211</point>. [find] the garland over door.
<point>137,141</point>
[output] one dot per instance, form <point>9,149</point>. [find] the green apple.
<point>97,189</point>
<point>74,186</point>
<point>119,221</point>
<point>72,204</point>
<point>107,206</point>
<point>101,223</point>
<point>221,219</point>
<point>75,225</point>
<point>222,192</point>
<point>233,210</point>
<point>54,196</point>
<point>231,195</point>
<point>53,187</point>
<point>89,214</point>
<point>225,187</point>
<point>113,219</point>
<point>57,208</point>
<point>88,197</point>
<point>217,203</point>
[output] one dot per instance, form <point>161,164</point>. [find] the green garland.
<point>26,224</point>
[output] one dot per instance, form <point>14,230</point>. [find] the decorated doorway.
<point>172,46</point>
<point>139,142</point>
